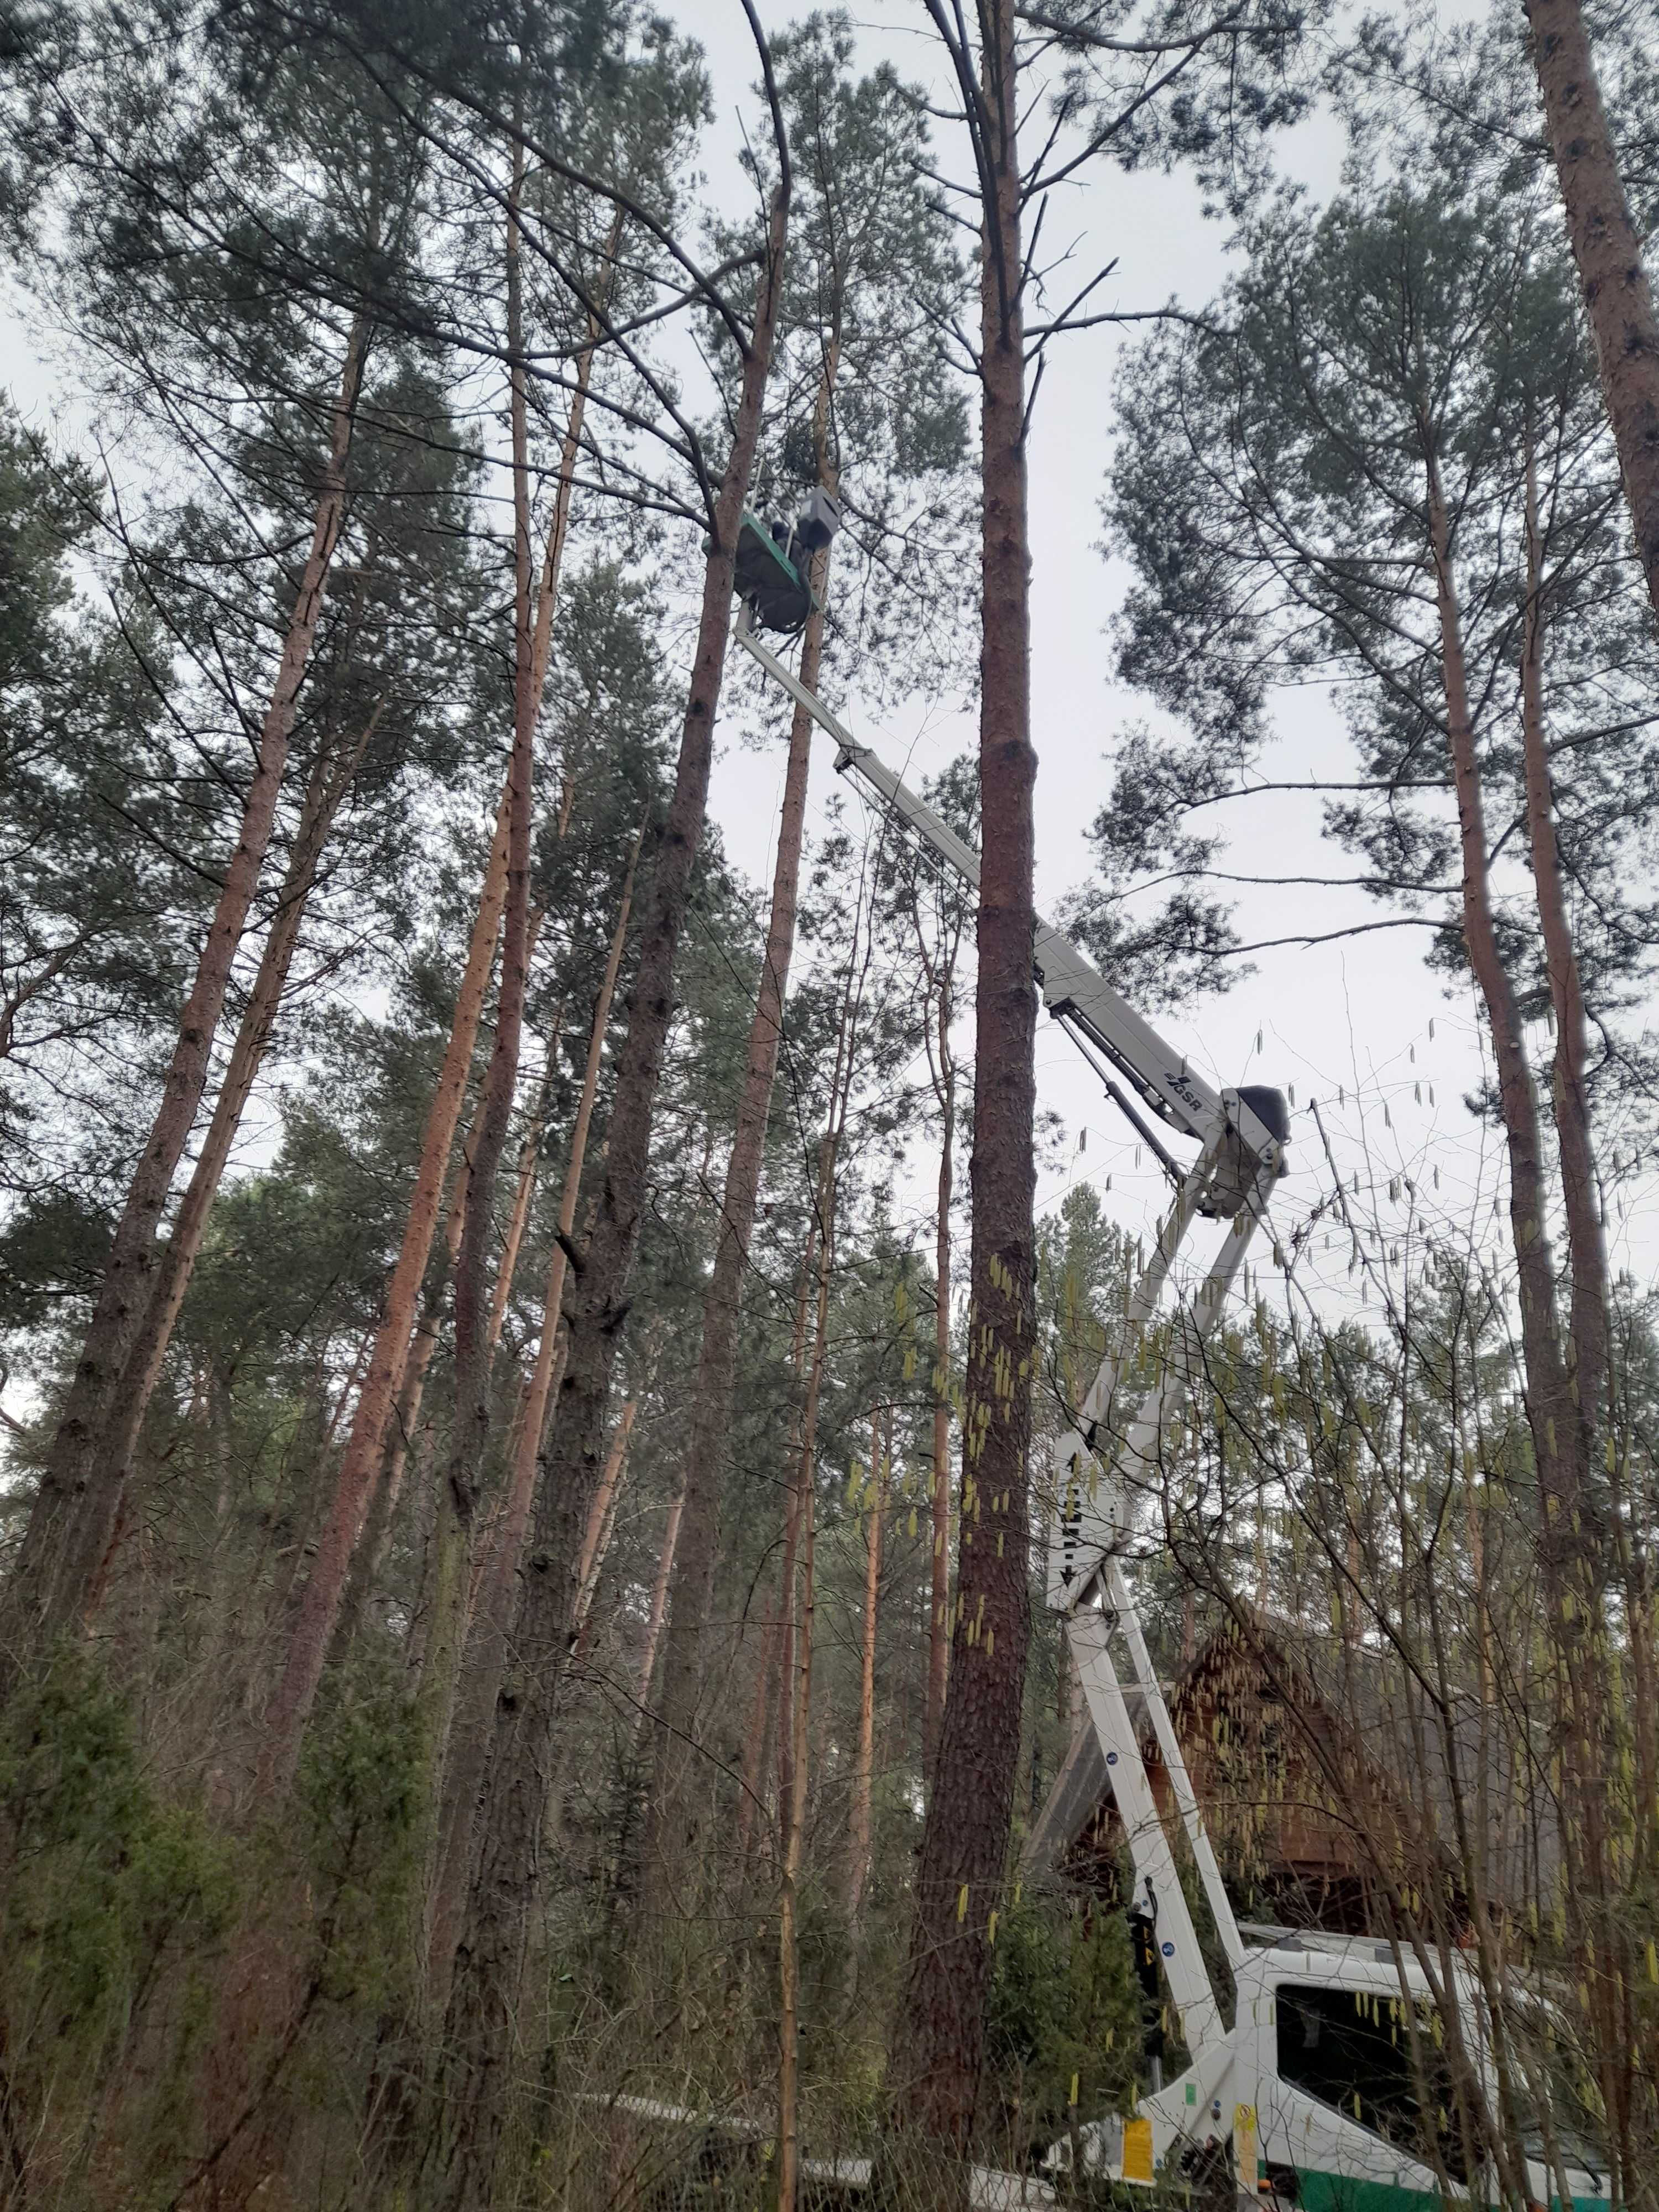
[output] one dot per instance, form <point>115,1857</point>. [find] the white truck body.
<point>1278,2112</point>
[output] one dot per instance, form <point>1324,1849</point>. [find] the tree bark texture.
<point>330,782</point>
<point>490,1960</point>
<point>670,1537</point>
<point>524,1194</point>
<point>1550,1411</point>
<point>675,1810</point>
<point>456,1503</point>
<point>864,1768</point>
<point>1607,250</point>
<point>369,1556</point>
<point>75,1509</point>
<point>1587,1318</point>
<point>601,1520</point>
<point>484,1663</point>
<point>758,1763</point>
<point>1564,1536</point>
<point>939,2054</point>
<point>794,1834</point>
<point>364,1453</point>
<point>939,1623</point>
<point>795,1688</point>
<point>365,1448</point>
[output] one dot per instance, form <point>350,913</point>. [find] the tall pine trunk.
<point>490,1965</point>
<point>938,1624</point>
<point>601,1520</point>
<point>675,1809</point>
<point>404,1430</point>
<point>864,1767</point>
<point>1566,1535</point>
<point>1587,1320</point>
<point>795,1687</point>
<point>794,1837</point>
<point>457,1502</point>
<point>330,780</point>
<point>366,1447</point>
<point>671,1538</point>
<point>485,1658</point>
<point>75,1508</point>
<point>363,1460</point>
<point>1550,1411</point>
<point>771,1700</point>
<point>939,2054</point>
<point>523,1191</point>
<point>1607,249</point>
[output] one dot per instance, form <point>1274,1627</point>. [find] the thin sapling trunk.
<point>863,1769</point>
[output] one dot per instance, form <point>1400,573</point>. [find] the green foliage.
<point>103,1872</point>
<point>1065,2008</point>
<point>121,1910</point>
<point>95,859</point>
<point>112,1899</point>
<point>1273,491</point>
<point>360,1798</point>
<point>52,1249</point>
<point>217,195</point>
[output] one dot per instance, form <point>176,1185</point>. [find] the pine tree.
<point>489,1969</point>
<point>1366,429</point>
<point>99,880</point>
<point>863,391</point>
<point>1236,83</point>
<point>588,285</point>
<point>160,291</point>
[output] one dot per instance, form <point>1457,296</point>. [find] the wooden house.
<point>1335,1787</point>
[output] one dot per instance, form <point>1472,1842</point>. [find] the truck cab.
<point>1333,2090</point>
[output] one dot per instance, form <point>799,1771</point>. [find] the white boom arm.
<point>1240,1150</point>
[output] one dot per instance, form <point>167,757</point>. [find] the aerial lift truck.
<point>1313,2093</point>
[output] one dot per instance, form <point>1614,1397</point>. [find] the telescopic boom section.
<point>1104,1464</point>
